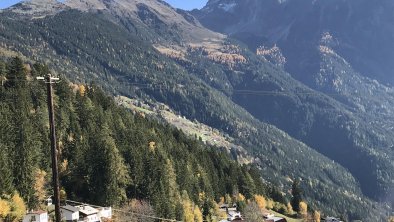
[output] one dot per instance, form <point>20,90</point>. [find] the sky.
<point>187,4</point>
<point>183,4</point>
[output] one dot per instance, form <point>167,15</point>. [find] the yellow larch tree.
<point>187,205</point>
<point>261,202</point>
<point>197,214</point>
<point>82,90</point>
<point>5,208</point>
<point>18,207</point>
<point>241,197</point>
<point>303,209</point>
<point>316,216</point>
<point>290,210</point>
<point>39,185</point>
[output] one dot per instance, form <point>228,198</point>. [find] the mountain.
<point>136,49</point>
<point>341,48</point>
<point>35,9</point>
<point>362,30</point>
<point>158,16</point>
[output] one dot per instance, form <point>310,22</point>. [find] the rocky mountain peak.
<point>34,9</point>
<point>153,13</point>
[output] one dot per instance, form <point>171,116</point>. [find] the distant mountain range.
<point>290,85</point>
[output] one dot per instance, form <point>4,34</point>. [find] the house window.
<point>33,218</point>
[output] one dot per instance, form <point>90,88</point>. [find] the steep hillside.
<point>107,155</point>
<point>200,80</point>
<point>332,47</point>
<point>363,30</point>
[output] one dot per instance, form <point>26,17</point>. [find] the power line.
<point>231,92</point>
<point>269,93</point>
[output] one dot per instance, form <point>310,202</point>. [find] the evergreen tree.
<point>110,175</point>
<point>16,75</point>
<point>6,186</point>
<point>297,195</point>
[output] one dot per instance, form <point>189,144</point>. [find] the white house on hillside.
<point>69,213</point>
<point>88,214</point>
<point>105,212</point>
<point>37,216</point>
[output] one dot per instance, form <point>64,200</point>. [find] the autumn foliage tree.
<point>18,207</point>
<point>316,216</point>
<point>261,202</point>
<point>303,210</point>
<point>5,208</point>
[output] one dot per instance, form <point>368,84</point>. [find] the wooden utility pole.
<point>49,80</point>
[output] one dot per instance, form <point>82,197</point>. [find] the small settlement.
<point>231,212</point>
<point>76,213</point>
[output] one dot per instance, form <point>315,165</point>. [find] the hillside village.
<point>71,213</point>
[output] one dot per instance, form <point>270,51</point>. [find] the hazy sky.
<point>183,4</point>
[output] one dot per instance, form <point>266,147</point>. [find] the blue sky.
<point>183,4</point>
<point>186,4</point>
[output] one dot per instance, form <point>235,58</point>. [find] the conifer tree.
<point>3,68</point>
<point>297,195</point>
<point>110,175</point>
<point>16,75</point>
<point>6,186</point>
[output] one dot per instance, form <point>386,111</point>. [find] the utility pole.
<point>49,80</point>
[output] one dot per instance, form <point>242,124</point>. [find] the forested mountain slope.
<point>205,80</point>
<point>107,154</point>
<point>340,48</point>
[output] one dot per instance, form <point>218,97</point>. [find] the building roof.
<point>87,210</point>
<point>39,212</point>
<point>277,219</point>
<point>69,208</point>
